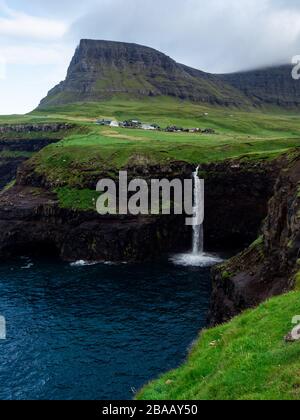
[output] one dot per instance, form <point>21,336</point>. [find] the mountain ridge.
<point>272,85</point>
<point>100,70</point>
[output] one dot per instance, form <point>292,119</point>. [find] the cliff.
<point>19,141</point>
<point>269,86</point>
<point>34,221</point>
<point>269,266</point>
<point>40,214</point>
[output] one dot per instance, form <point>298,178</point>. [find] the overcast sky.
<point>38,37</point>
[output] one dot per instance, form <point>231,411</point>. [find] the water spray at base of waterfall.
<point>197,258</point>
<point>201,260</point>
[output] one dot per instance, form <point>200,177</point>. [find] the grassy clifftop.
<point>95,148</point>
<point>246,359</point>
<point>89,151</point>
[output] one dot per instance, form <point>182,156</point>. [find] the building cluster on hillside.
<point>136,124</point>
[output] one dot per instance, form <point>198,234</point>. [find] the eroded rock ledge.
<point>269,266</point>
<point>32,220</point>
<point>19,141</point>
<point>34,128</point>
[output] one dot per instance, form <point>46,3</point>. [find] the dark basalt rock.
<point>137,167</point>
<point>268,267</point>
<point>8,169</point>
<point>34,128</point>
<point>236,201</point>
<point>31,221</point>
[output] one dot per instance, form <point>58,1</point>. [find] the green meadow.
<point>245,359</point>
<point>251,134</point>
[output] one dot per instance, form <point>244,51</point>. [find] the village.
<point>136,124</point>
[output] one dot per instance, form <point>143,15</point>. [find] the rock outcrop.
<point>269,266</point>
<point>32,222</point>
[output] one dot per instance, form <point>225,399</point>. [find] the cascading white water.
<point>197,257</point>
<point>198,238</point>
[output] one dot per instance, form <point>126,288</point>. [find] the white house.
<point>148,127</point>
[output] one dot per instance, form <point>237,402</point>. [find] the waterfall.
<point>197,257</point>
<point>198,238</point>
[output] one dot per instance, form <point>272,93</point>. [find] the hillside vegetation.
<point>89,151</point>
<point>246,359</point>
<point>237,133</point>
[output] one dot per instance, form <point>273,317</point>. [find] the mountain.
<point>102,69</point>
<point>273,85</point>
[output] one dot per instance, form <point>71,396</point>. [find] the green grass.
<point>106,151</point>
<point>75,199</point>
<point>167,111</point>
<point>91,151</point>
<point>245,359</point>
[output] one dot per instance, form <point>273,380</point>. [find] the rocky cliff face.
<point>24,129</point>
<point>273,86</point>
<point>18,141</point>
<point>236,201</point>
<point>32,222</point>
<point>268,267</point>
<point>102,69</point>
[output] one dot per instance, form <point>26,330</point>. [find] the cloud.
<point>19,24</point>
<point>38,37</point>
<point>215,35</point>
<point>35,55</point>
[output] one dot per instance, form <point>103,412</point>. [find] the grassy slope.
<point>245,359</point>
<point>97,150</point>
<point>237,133</point>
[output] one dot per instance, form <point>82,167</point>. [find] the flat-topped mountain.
<point>100,70</point>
